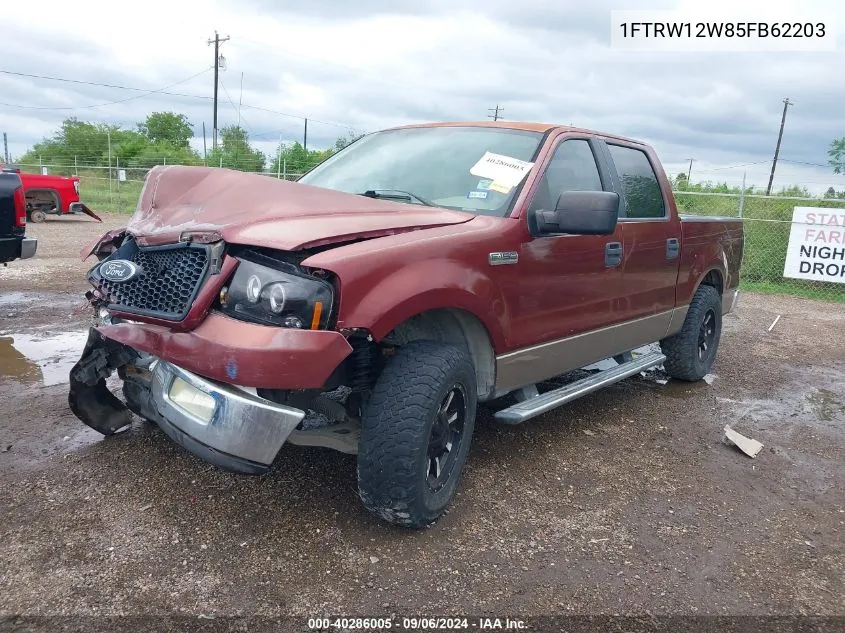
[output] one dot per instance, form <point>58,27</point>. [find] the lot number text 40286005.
<point>416,624</point>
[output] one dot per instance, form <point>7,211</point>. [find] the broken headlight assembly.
<point>277,293</point>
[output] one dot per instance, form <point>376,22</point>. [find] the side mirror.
<point>578,213</point>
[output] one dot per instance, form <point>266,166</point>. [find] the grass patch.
<point>797,288</point>
<point>119,198</point>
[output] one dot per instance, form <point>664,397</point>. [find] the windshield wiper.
<point>396,194</point>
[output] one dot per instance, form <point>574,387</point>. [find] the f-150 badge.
<point>500,259</point>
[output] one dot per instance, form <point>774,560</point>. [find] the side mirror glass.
<point>578,213</point>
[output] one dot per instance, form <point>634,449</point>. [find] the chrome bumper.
<point>28,247</point>
<point>243,432</point>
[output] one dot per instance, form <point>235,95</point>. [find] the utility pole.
<point>5,149</point>
<point>689,171</point>
<point>204,149</point>
<point>217,41</point>
<point>495,111</point>
<point>305,137</point>
<point>241,100</point>
<point>786,104</point>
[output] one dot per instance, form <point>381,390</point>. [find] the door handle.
<point>673,248</point>
<point>612,254</point>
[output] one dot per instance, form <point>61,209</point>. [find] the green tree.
<point>680,182</point>
<point>347,139</point>
<point>235,152</point>
<point>837,155</point>
<point>168,127</point>
<point>795,191</point>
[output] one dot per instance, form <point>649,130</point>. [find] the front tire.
<point>416,432</point>
<point>690,353</point>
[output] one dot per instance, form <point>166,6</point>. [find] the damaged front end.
<point>213,375</point>
<point>222,424</point>
<point>89,397</point>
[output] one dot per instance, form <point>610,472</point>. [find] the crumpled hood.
<point>262,211</point>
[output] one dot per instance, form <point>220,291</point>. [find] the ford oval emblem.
<point>118,270</point>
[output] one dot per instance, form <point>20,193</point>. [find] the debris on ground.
<point>745,444</point>
<point>710,378</point>
<point>774,323</point>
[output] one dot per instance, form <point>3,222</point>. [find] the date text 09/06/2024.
<point>416,623</point>
<point>724,29</point>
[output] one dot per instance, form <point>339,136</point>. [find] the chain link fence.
<point>116,189</point>
<point>768,221</point>
<point>768,224</point>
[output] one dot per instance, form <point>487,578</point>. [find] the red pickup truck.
<point>51,195</point>
<point>372,305</point>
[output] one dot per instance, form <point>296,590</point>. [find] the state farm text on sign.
<point>816,249</point>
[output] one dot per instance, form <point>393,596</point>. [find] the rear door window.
<point>640,186</point>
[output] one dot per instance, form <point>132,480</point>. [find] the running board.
<point>538,405</point>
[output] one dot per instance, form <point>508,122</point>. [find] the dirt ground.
<point>624,502</point>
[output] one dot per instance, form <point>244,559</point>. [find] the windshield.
<point>443,166</point>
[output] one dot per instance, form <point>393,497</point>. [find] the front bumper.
<point>235,429</point>
<point>242,432</point>
<point>231,351</point>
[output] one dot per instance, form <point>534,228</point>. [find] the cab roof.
<point>527,126</point>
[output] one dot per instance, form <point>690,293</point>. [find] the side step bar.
<point>542,403</point>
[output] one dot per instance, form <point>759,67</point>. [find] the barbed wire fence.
<point>768,220</point>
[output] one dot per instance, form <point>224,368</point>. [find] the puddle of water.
<point>12,298</point>
<point>45,358</point>
<point>810,399</point>
<point>826,404</point>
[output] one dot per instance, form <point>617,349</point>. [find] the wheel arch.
<point>713,277</point>
<point>457,327</point>
<point>53,193</point>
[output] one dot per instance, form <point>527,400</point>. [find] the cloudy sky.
<point>370,64</point>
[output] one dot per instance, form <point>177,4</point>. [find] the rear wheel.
<point>416,432</point>
<point>690,353</point>
<point>37,215</point>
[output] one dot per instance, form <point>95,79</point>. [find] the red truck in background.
<point>51,195</point>
<point>413,275</point>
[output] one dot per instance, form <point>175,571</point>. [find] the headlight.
<point>264,294</point>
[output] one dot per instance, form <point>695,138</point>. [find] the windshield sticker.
<point>478,195</point>
<point>503,170</point>
<point>500,187</point>
<point>484,184</point>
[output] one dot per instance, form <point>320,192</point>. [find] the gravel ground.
<point>624,502</point>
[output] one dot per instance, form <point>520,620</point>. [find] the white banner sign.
<point>816,248</point>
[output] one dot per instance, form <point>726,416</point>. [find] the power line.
<point>759,162</point>
<point>226,92</point>
<point>162,91</point>
<point>146,92</point>
<point>801,162</point>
